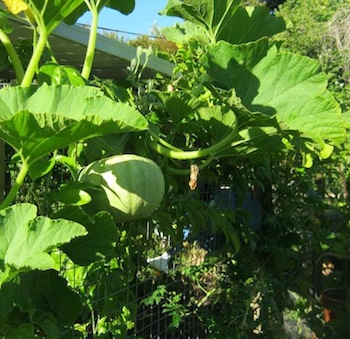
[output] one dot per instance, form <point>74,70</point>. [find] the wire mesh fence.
<point>142,297</point>
<point>153,285</point>
<point>149,288</point>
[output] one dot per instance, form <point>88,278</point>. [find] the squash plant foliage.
<point>271,92</point>
<point>242,96</point>
<point>60,111</point>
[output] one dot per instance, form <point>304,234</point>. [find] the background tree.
<point>272,4</point>
<point>156,40</point>
<point>320,29</point>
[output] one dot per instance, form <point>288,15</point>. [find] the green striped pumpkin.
<point>130,186</point>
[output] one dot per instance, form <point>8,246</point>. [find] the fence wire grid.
<point>141,293</point>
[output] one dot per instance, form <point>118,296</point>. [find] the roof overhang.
<point>69,44</point>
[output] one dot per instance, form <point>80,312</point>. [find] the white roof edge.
<point>110,46</point>
<point>80,35</point>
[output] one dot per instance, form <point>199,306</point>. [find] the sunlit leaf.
<point>35,123</point>
<point>288,86</point>
<point>54,74</point>
<point>181,34</point>
<point>26,239</point>
<point>72,193</point>
<point>326,151</point>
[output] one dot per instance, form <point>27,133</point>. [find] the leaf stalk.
<point>15,188</point>
<point>11,51</point>
<point>35,59</point>
<point>90,52</point>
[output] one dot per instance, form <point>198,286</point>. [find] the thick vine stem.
<point>35,59</point>
<point>15,188</point>
<point>214,156</point>
<point>90,52</point>
<point>16,62</point>
<point>191,155</point>
<point>163,142</point>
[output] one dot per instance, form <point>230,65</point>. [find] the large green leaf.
<point>212,15</point>
<point>48,292</point>
<point>46,299</point>
<point>98,243</point>
<point>288,86</point>
<point>26,239</point>
<point>222,20</point>
<point>231,65</point>
<point>250,24</point>
<point>35,123</point>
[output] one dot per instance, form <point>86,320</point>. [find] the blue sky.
<point>139,21</point>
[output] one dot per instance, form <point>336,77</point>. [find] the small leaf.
<point>4,26</point>
<point>41,167</point>
<point>183,33</point>
<point>324,247</point>
<point>69,163</point>
<point>178,105</point>
<point>54,74</point>
<point>26,239</point>
<point>218,121</point>
<point>307,159</point>
<point>72,193</point>
<point>326,151</point>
